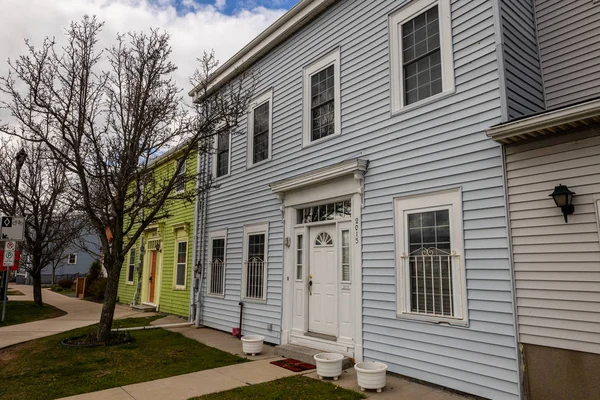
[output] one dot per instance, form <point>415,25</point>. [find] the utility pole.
<point>20,160</point>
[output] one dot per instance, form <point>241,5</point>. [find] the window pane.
<point>260,150</point>
<point>130,273</point>
<point>180,275</point>
<point>223,154</point>
<point>323,103</point>
<point>132,256</point>
<point>181,252</point>
<point>325,212</point>
<point>346,255</point>
<point>217,273</point>
<point>255,266</point>
<point>299,257</point>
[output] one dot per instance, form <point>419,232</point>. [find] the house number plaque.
<point>356,230</point>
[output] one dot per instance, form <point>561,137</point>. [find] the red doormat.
<point>293,365</point>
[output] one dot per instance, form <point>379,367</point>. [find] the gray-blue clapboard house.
<point>363,209</point>
<point>76,260</point>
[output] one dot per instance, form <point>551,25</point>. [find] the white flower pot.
<point>252,344</point>
<point>329,365</point>
<point>371,375</point>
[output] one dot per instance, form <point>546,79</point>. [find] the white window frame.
<point>69,259</point>
<point>396,20</point>
<point>180,174</point>
<point>255,103</point>
<point>214,158</point>
<point>131,265</point>
<point>261,228</point>
<point>443,200</point>
<point>176,254</point>
<point>333,58</point>
<point>597,204</point>
<point>220,234</point>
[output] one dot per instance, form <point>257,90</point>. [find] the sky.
<point>224,26</point>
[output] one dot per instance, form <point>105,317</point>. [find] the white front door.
<point>322,302</point>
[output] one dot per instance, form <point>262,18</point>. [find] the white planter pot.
<point>371,375</point>
<point>329,365</point>
<point>252,344</point>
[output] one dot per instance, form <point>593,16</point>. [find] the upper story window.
<point>131,266</point>
<point>322,99</point>
<point>260,129</point>
<point>180,179</point>
<point>222,155</point>
<point>72,259</point>
<point>421,52</point>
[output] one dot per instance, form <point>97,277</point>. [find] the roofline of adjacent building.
<point>546,122</point>
<point>289,23</point>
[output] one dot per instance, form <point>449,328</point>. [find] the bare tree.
<point>43,197</point>
<point>107,127</point>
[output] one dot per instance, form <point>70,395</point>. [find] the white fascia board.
<point>355,166</point>
<point>280,30</point>
<point>549,119</point>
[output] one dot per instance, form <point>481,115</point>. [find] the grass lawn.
<point>19,312</point>
<point>14,292</point>
<point>43,369</point>
<point>292,388</point>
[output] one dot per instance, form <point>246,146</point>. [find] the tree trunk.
<point>53,274</point>
<point>110,301</point>
<point>37,288</point>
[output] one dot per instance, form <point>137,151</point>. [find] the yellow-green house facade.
<point>167,265</point>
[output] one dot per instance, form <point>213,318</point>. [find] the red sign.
<point>15,265</point>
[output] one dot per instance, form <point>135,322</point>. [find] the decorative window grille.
<point>322,95</point>
<point>72,259</point>
<point>181,263</point>
<point>131,268</point>
<point>325,212</point>
<point>430,264</point>
<point>421,56</point>
<point>323,239</point>
<point>255,267</point>
<point>260,142</point>
<point>345,256</point>
<point>217,267</point>
<point>180,179</point>
<point>299,256</point>
<point>222,159</point>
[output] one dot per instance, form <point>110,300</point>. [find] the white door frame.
<point>347,184</point>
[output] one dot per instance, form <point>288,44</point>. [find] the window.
<point>222,155</point>
<point>72,259</point>
<point>216,270</point>
<point>255,262</point>
<point>325,212</point>
<point>260,129</point>
<point>431,279</point>
<point>299,256</point>
<point>421,52</point>
<point>322,99</point>
<point>181,265</point>
<point>323,239</point>
<point>345,255</point>
<point>131,267</point>
<point>180,179</point>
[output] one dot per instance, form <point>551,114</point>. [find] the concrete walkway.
<point>260,370</point>
<point>79,313</point>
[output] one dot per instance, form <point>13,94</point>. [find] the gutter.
<point>197,203</point>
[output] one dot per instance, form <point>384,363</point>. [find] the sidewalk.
<point>260,370</point>
<point>79,313</point>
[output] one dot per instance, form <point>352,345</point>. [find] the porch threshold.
<point>304,354</point>
<point>321,336</point>
<point>143,307</point>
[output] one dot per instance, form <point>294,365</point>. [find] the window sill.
<point>218,178</point>
<point>254,301</point>
<point>180,288</point>
<point>422,103</point>
<point>129,283</point>
<point>258,164</point>
<point>322,140</point>
<point>215,296</point>
<point>463,323</point>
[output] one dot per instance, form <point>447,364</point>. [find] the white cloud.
<point>220,3</point>
<point>193,30</point>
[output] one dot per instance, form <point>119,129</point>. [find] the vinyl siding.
<point>441,144</point>
<point>170,300</point>
<point>557,265</point>
<point>569,40</point>
<point>524,88</point>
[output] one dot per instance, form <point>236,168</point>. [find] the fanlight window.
<point>324,239</point>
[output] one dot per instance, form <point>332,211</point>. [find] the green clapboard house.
<point>166,269</point>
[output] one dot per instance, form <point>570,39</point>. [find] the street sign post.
<point>9,254</point>
<point>12,228</point>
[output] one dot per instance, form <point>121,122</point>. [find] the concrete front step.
<point>143,307</point>
<point>304,354</point>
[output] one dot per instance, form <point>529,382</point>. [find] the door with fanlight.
<point>323,280</point>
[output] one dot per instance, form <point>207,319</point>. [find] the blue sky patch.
<point>234,6</point>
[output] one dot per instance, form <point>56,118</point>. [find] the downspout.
<point>193,306</point>
<point>140,264</point>
<point>201,239</point>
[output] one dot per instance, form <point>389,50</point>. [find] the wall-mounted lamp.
<point>287,241</point>
<point>158,247</point>
<point>563,198</point>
